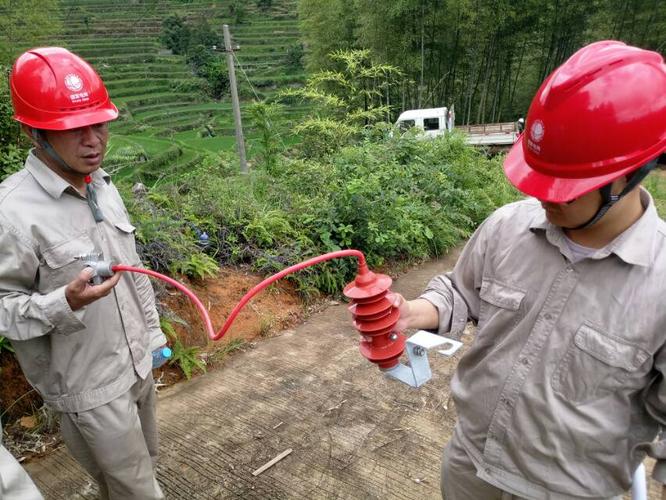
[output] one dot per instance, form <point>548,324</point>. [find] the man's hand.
<point>418,313</point>
<point>80,292</point>
<point>404,308</point>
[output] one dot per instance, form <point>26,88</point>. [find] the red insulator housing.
<point>375,318</point>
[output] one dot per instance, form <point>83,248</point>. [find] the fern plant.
<point>186,358</point>
<point>197,265</point>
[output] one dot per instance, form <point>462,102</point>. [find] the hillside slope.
<point>166,122</point>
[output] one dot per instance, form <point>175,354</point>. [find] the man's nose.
<point>89,136</point>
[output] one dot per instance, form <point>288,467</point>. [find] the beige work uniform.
<point>78,361</point>
<point>562,392</point>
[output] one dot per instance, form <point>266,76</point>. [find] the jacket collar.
<point>51,182</point>
<point>633,246</point>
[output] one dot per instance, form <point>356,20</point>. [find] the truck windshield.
<point>406,124</point>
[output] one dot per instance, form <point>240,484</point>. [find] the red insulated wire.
<point>246,298</point>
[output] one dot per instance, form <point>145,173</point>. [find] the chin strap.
<point>40,137</point>
<point>91,196</point>
<point>608,199</point>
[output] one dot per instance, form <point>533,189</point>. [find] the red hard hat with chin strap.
<point>53,89</point>
<point>599,116</point>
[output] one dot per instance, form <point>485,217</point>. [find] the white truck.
<point>438,121</point>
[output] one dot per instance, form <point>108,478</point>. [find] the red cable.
<point>363,268</point>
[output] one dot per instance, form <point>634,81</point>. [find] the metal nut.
<point>418,350</point>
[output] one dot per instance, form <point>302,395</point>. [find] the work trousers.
<point>117,443</point>
<point>15,484</point>
<point>459,480</point>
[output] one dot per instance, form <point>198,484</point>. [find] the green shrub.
<point>398,197</point>
<point>12,159</point>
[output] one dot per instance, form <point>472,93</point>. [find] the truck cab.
<point>433,121</point>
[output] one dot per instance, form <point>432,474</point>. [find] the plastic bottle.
<point>160,356</point>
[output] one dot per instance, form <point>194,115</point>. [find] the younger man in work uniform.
<point>563,392</point>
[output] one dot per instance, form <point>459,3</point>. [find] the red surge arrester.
<point>375,318</point>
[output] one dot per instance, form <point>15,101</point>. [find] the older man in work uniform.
<point>562,393</point>
<point>85,347</point>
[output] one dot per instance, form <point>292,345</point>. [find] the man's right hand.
<point>417,313</point>
<point>80,292</point>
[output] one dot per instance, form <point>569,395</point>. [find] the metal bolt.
<point>418,350</point>
<point>393,337</point>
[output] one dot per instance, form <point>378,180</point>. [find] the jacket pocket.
<point>126,242</point>
<point>596,364</point>
<point>500,304</point>
<point>60,264</point>
<point>125,227</point>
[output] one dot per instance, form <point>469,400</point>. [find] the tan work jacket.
<point>562,391</point>
<point>76,360</point>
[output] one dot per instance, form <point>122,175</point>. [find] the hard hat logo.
<point>73,82</point>
<point>537,131</point>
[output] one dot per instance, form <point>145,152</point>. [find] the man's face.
<point>574,213</point>
<point>81,148</point>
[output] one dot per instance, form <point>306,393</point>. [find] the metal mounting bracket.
<point>418,372</point>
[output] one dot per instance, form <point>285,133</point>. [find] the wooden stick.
<point>270,464</point>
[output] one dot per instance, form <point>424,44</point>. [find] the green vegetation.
<point>656,184</point>
<point>397,197</point>
<point>12,149</point>
<point>21,23</point>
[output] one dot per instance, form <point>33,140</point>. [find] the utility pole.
<point>421,87</point>
<point>235,104</point>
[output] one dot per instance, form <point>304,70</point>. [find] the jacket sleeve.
<point>655,404</point>
<point>455,295</point>
<point>25,314</point>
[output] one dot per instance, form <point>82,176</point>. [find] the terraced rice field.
<point>165,120</point>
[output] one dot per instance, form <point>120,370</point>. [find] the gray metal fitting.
<point>101,268</point>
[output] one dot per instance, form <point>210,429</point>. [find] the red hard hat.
<point>599,116</point>
<point>54,89</point>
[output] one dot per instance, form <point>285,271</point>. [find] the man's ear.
<point>620,183</point>
<point>661,161</point>
<point>31,133</point>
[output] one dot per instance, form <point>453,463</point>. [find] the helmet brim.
<point>546,187</point>
<point>74,120</point>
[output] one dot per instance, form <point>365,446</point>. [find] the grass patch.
<point>655,183</point>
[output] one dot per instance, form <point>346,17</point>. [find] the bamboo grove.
<point>484,56</point>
